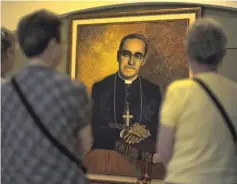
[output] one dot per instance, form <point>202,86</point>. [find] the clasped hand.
<point>135,133</point>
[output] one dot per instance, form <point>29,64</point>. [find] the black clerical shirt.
<point>144,100</point>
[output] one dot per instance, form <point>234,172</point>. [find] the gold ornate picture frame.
<point>94,39</point>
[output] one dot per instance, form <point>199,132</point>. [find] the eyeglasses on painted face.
<point>127,55</point>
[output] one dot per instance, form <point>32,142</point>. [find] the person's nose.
<point>131,61</point>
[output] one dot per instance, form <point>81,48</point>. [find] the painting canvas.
<point>93,44</point>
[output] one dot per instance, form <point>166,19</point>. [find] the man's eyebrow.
<point>139,53</point>
<point>126,50</point>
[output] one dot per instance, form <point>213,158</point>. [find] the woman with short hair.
<point>195,144</point>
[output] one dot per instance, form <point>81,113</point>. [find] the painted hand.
<point>135,133</point>
<point>140,130</point>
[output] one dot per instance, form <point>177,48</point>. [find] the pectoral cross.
<point>127,116</point>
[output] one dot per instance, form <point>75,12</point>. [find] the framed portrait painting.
<point>94,54</point>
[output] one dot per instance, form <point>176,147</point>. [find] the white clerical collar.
<point>126,80</point>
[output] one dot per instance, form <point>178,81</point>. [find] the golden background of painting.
<point>98,45</point>
<point>95,44</point>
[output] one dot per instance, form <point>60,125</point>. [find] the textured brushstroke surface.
<point>97,47</point>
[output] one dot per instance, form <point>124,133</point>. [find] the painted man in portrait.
<point>126,105</point>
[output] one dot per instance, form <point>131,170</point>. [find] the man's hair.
<point>7,41</point>
<point>206,42</point>
<point>134,36</point>
<point>36,30</point>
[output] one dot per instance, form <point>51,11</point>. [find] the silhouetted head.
<point>206,43</point>
<point>39,36</point>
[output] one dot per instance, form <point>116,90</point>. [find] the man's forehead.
<point>134,45</point>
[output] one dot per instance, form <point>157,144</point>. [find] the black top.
<point>105,130</point>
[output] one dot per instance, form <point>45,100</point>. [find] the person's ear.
<point>52,43</point>
<point>144,60</point>
<point>9,53</point>
<point>118,56</point>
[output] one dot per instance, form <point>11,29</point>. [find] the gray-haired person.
<point>46,127</point>
<point>7,51</point>
<point>195,142</point>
